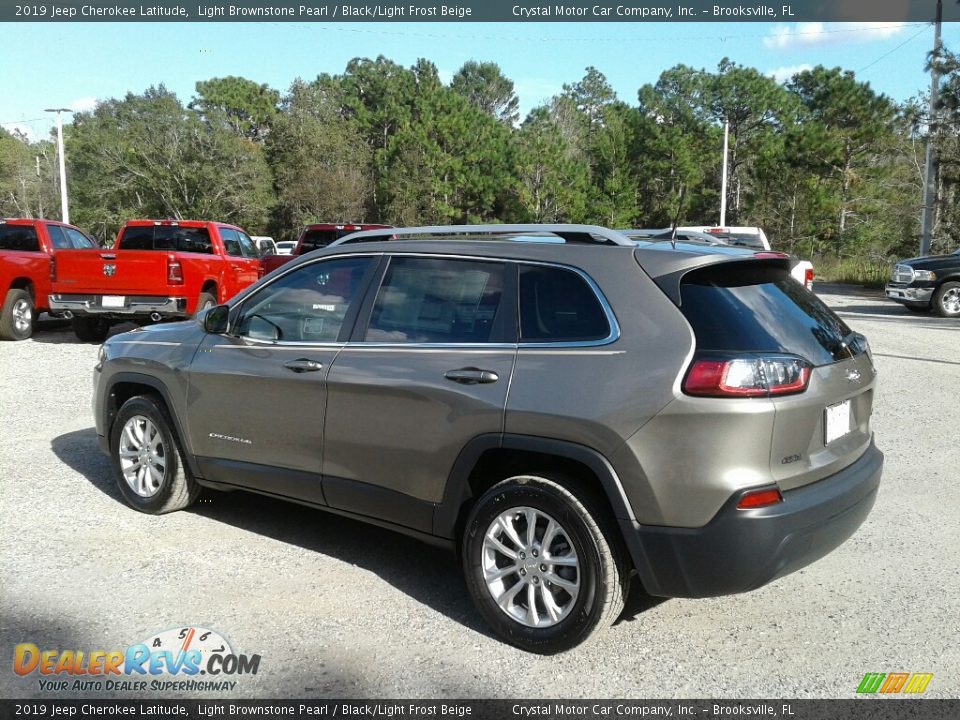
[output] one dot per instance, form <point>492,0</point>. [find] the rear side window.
<point>22,238</point>
<point>166,237</point>
<point>438,300</point>
<point>558,305</point>
<point>752,307</point>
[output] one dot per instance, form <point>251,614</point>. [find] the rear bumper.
<point>906,293</point>
<point>740,550</point>
<point>132,305</point>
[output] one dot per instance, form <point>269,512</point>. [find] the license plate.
<point>836,421</point>
<point>113,301</point>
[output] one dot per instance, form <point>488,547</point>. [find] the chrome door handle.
<point>302,365</point>
<point>471,376</point>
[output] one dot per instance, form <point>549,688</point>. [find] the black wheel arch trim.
<point>152,382</point>
<point>449,514</point>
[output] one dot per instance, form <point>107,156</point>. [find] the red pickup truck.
<point>157,269</point>
<point>313,237</point>
<point>28,254</point>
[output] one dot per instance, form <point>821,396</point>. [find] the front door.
<point>257,395</point>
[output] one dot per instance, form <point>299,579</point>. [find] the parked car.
<point>265,245</point>
<point>928,283</point>
<point>156,270</point>
<point>313,237</point>
<point>285,247</point>
<point>569,416</point>
<point>756,239</point>
<point>29,249</point>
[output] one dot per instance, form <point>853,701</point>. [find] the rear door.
<point>257,395</point>
<point>426,373</point>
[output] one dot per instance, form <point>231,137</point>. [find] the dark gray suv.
<point>568,409</point>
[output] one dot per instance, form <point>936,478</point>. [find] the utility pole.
<point>929,167</point>
<point>723,181</point>
<point>64,209</point>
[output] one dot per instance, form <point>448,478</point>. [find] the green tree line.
<point>829,167</point>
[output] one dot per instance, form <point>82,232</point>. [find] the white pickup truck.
<point>754,237</point>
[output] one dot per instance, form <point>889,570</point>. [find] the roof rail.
<point>580,234</point>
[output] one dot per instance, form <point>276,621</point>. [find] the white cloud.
<point>83,104</point>
<point>813,34</point>
<point>782,74</point>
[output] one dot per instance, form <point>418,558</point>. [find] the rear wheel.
<point>16,317</point>
<point>90,328</point>
<point>946,300</point>
<point>205,301</point>
<point>542,569</point>
<point>147,458</point>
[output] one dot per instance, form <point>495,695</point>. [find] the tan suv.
<point>567,410</point>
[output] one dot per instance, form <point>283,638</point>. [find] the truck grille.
<point>902,274</point>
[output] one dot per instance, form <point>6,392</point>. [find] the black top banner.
<point>478,11</point>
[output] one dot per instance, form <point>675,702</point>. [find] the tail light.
<point>752,376</point>
<point>174,272</point>
<point>759,498</point>
<point>53,268</point>
<point>808,278</point>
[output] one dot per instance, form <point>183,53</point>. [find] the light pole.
<point>64,210</point>
<point>927,216</point>
<point>723,180</point>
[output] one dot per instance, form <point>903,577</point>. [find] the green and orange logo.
<point>892,683</point>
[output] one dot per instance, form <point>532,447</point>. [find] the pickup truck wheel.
<point>90,329</point>
<point>205,300</point>
<point>540,566</point>
<point>16,318</point>
<point>147,459</point>
<point>946,300</point>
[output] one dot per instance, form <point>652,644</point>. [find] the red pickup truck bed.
<point>157,269</point>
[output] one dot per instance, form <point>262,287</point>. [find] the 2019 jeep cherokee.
<point>566,409</point>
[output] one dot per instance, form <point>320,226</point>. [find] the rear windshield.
<point>314,239</point>
<point>166,237</point>
<point>742,240</point>
<point>750,307</point>
<point>19,237</point>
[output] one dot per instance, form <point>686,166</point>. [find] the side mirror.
<point>215,321</point>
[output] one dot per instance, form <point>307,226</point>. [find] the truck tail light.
<point>174,272</point>
<point>53,268</point>
<point>808,278</point>
<point>759,498</point>
<point>751,376</point>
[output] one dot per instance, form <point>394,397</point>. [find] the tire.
<point>946,300</point>
<point>162,485</point>
<point>90,329</point>
<point>17,315</point>
<point>917,307</point>
<point>205,300</point>
<point>593,565</point>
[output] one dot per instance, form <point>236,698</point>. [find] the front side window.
<point>558,305</point>
<point>438,300</point>
<point>309,304</point>
<point>57,238</point>
<point>78,240</point>
<point>247,245</point>
<point>231,242</point>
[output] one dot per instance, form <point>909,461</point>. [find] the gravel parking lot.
<point>341,609</point>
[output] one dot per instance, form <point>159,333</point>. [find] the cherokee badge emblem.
<point>853,375</point>
<point>109,269</point>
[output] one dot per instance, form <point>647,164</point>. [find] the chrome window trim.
<point>612,323</point>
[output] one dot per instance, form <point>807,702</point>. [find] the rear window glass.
<point>314,239</point>
<point>166,237</point>
<point>748,307</point>
<point>743,240</point>
<point>557,305</point>
<point>19,237</point>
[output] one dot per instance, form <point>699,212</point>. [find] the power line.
<point>887,54</point>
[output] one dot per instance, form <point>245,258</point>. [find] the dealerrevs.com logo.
<point>894,683</point>
<point>186,659</point>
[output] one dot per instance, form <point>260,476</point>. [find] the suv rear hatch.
<point>767,332</point>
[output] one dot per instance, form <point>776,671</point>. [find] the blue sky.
<point>75,64</point>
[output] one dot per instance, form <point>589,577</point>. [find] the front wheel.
<point>540,566</point>
<point>147,458</point>
<point>16,318</point>
<point>946,300</point>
